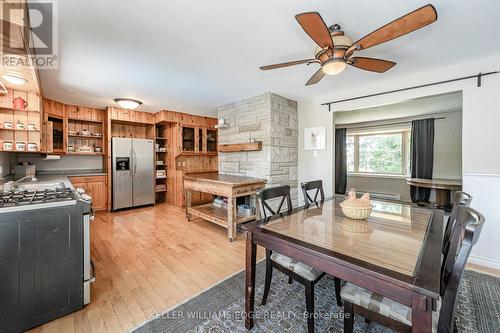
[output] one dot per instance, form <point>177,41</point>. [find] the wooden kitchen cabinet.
<point>197,140</point>
<point>96,187</point>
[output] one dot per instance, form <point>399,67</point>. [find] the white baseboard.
<point>495,264</point>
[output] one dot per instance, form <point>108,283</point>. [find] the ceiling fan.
<point>335,50</point>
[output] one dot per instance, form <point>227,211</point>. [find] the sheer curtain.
<point>422,156</point>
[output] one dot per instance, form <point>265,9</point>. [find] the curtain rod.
<point>477,76</point>
<point>346,126</point>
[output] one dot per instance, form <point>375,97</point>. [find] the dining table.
<point>395,252</point>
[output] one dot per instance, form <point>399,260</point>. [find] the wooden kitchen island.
<point>223,185</point>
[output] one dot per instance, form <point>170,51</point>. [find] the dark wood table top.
<point>220,178</point>
<point>399,241</point>
<point>444,184</point>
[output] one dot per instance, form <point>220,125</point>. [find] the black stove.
<point>23,198</point>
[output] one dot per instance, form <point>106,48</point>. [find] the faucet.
<point>33,179</point>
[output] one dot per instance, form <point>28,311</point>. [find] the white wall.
<point>480,134</point>
<point>316,164</point>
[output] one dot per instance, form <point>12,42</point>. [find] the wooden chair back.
<point>464,236</point>
<point>461,198</point>
<point>271,193</point>
<point>313,185</point>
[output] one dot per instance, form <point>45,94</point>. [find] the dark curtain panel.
<point>422,156</point>
<point>340,161</point>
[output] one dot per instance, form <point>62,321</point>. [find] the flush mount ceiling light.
<point>14,78</point>
<point>128,103</point>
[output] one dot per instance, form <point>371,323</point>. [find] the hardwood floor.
<point>148,260</point>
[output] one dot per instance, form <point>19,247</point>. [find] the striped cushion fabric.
<point>299,268</point>
<point>382,305</point>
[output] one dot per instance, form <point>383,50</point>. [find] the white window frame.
<point>405,142</point>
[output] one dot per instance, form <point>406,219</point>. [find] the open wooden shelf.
<point>19,110</point>
<point>216,214</point>
<point>84,153</point>
<point>85,120</point>
<point>239,147</point>
<point>85,136</point>
<point>19,130</point>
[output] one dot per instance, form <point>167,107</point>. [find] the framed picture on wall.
<point>315,138</point>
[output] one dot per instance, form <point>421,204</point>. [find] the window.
<point>378,153</point>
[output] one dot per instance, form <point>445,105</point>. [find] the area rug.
<point>220,308</point>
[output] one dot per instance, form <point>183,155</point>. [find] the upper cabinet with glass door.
<point>197,140</point>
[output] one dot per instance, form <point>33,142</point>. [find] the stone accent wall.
<point>269,118</point>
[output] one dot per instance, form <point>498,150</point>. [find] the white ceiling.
<point>192,56</point>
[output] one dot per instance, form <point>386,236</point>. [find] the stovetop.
<point>23,198</point>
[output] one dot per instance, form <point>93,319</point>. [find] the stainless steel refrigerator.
<point>133,172</point>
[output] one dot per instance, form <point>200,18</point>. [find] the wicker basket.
<point>356,213</point>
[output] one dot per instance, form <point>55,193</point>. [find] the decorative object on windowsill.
<point>19,125</point>
<point>97,135</point>
<point>8,125</point>
<point>98,149</point>
<point>32,127</point>
<point>354,208</point>
<point>222,123</point>
<point>315,138</point>
<point>71,148</point>
<point>70,132</point>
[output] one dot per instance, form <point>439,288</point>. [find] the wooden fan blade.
<point>371,64</point>
<point>401,26</point>
<point>315,27</point>
<point>286,64</point>
<point>316,77</point>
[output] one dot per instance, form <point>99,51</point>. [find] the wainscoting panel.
<point>485,188</point>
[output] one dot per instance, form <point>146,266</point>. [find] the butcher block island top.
<point>228,186</point>
<point>220,178</point>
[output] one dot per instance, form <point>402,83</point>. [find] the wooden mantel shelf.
<point>238,147</point>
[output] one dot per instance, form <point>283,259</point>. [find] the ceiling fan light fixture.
<point>128,103</point>
<point>333,66</point>
<point>14,78</point>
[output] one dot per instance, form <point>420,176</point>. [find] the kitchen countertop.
<point>72,173</point>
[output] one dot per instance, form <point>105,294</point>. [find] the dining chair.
<point>464,235</point>
<point>309,186</point>
<point>460,198</point>
<point>304,274</point>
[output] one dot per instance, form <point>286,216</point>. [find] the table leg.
<point>442,198</point>
<point>232,217</point>
<point>188,195</point>
<point>250,256</point>
<point>421,315</point>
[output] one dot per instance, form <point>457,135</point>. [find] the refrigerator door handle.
<point>135,162</point>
